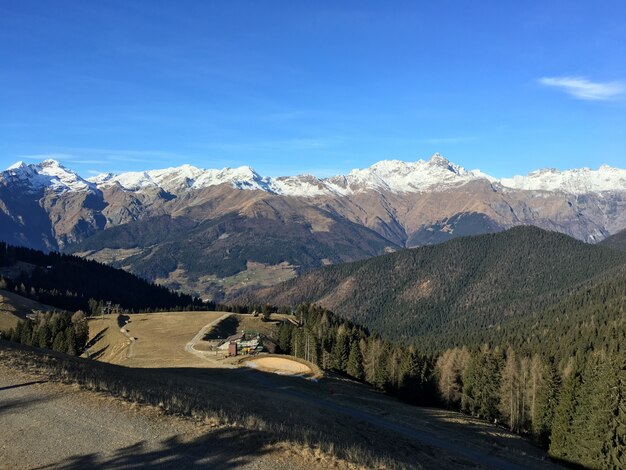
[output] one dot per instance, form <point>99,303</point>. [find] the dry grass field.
<point>159,339</point>
<point>14,307</point>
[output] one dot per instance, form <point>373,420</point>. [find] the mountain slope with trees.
<point>72,283</point>
<point>466,284</point>
<point>617,241</point>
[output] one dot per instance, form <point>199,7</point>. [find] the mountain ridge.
<point>389,175</point>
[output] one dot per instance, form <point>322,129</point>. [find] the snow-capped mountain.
<point>184,177</point>
<point>387,175</point>
<point>49,174</point>
<point>392,176</point>
<point>579,181</point>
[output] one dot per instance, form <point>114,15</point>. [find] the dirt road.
<point>45,425</point>
<point>206,355</point>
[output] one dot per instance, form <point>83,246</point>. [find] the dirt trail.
<point>207,355</point>
<point>130,349</point>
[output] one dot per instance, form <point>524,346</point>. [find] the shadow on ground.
<point>225,328</point>
<point>353,419</point>
<point>217,449</point>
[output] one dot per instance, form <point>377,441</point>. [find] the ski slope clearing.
<point>159,339</point>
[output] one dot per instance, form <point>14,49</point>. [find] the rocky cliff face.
<point>386,207</point>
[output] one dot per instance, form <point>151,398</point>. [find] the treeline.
<point>579,413</point>
<point>69,282</point>
<point>59,331</point>
<point>335,344</point>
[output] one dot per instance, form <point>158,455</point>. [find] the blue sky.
<point>318,87</point>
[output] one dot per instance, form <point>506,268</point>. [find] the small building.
<point>242,343</point>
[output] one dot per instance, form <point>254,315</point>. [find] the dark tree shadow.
<point>96,338</point>
<point>217,449</point>
<point>23,385</point>
<point>18,404</point>
<point>227,327</point>
<point>97,354</point>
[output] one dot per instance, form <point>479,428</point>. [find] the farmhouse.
<point>242,343</point>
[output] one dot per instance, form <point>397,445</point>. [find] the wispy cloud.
<point>584,89</point>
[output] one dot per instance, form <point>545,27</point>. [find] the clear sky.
<point>318,87</point>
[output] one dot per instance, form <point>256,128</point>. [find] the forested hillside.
<point>467,284</point>
<point>73,283</point>
<point>617,241</point>
<point>568,393</point>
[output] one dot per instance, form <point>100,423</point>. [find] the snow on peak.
<point>184,177</point>
<point>577,181</point>
<point>17,165</point>
<point>48,174</point>
<point>436,173</point>
<point>399,176</point>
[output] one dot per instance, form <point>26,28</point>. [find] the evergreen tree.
<point>26,335</point>
<point>341,352</point>
<point>614,447</point>
<point>70,342</point>
<point>562,444</point>
<point>355,362</point>
<point>44,335</point>
<point>546,403</point>
<point>59,344</point>
<point>284,338</point>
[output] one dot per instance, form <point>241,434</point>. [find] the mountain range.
<point>216,233</point>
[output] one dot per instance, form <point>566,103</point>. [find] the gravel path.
<point>46,425</point>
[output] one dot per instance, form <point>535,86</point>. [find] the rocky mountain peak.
<point>48,174</point>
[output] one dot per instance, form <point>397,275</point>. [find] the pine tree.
<point>562,445</point>
<point>16,334</point>
<point>592,416</point>
<point>70,342</point>
<point>26,336</point>
<point>58,344</point>
<point>510,392</point>
<point>284,338</point>
<point>355,362</point>
<point>546,403</point>
<point>44,335</point>
<point>341,352</point>
<point>614,448</point>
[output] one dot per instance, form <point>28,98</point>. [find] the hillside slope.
<point>68,282</point>
<point>617,241</point>
<point>591,319</point>
<point>467,283</point>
